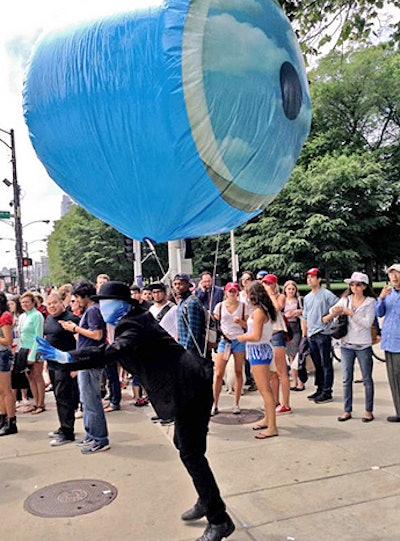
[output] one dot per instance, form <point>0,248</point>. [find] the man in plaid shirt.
<point>190,316</point>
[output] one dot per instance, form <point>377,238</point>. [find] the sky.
<point>21,23</point>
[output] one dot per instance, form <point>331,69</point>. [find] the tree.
<point>340,22</point>
<point>82,246</point>
<point>323,217</point>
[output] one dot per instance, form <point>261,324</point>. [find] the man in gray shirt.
<point>316,305</point>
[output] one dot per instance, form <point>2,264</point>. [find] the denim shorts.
<point>5,360</point>
<point>236,346</point>
<point>278,339</point>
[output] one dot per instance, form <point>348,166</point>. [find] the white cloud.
<point>234,148</point>
<point>237,48</point>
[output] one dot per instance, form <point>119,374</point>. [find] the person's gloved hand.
<point>50,353</point>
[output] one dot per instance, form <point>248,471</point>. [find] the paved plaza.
<point>320,480</point>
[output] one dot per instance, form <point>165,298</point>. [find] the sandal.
<point>37,410</point>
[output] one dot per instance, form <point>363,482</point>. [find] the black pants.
<point>67,399</point>
<point>190,438</point>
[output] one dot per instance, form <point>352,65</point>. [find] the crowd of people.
<point>69,318</point>
<point>266,329</point>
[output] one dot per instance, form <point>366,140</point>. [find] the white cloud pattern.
<point>237,48</point>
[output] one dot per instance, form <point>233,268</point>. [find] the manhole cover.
<point>70,498</point>
<point>246,417</point>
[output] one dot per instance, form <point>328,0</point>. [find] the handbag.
<point>337,328</point>
<point>21,360</point>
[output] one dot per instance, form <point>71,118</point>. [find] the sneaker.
<point>314,395</point>
<point>83,442</point>
<point>322,398</point>
<point>280,410</point>
<point>214,411</point>
<point>95,447</point>
<point>55,433</point>
<point>60,440</point>
<point>236,410</point>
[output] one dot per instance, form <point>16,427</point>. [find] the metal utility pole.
<point>17,212</point>
<point>17,218</point>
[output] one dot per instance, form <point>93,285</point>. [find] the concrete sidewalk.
<point>319,480</point>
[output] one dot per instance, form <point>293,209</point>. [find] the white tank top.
<point>266,334</point>
<point>228,326</point>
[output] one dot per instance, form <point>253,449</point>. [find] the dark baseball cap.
<point>182,276</point>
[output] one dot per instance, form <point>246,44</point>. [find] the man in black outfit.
<point>178,383</point>
<point>65,386</point>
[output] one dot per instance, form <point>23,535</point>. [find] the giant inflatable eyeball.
<point>181,120</point>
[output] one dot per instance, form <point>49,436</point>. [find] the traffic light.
<point>26,262</point>
<point>128,245</point>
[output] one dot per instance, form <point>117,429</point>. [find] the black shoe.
<point>393,419</point>
<point>155,418</point>
<point>314,395</point>
<point>9,428</point>
<point>167,422</point>
<point>216,532</point>
<point>322,398</point>
<point>197,512</point>
<point>55,433</point>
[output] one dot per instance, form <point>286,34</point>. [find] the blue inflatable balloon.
<point>180,120</point>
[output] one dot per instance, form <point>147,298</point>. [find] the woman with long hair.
<point>358,304</point>
<point>293,310</point>
<point>232,316</point>
<point>281,376</point>
<point>31,326</point>
<point>8,423</point>
<point>19,380</point>
<point>260,354</point>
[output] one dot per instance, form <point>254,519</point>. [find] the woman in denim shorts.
<point>232,315</point>
<point>7,399</point>
<point>260,354</point>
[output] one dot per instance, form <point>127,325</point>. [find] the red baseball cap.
<point>231,285</point>
<point>313,272</point>
<point>270,279</point>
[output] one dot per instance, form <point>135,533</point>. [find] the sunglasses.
<point>356,284</point>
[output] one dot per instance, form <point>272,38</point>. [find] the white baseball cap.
<point>395,267</point>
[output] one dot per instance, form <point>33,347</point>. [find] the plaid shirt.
<point>191,315</point>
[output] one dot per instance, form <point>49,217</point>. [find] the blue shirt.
<point>93,321</point>
<point>316,305</point>
<point>191,315</point>
<point>390,308</point>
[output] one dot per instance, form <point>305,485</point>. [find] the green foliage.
<point>341,22</point>
<point>204,259</point>
<point>82,246</point>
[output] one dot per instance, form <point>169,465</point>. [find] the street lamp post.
<point>17,211</point>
